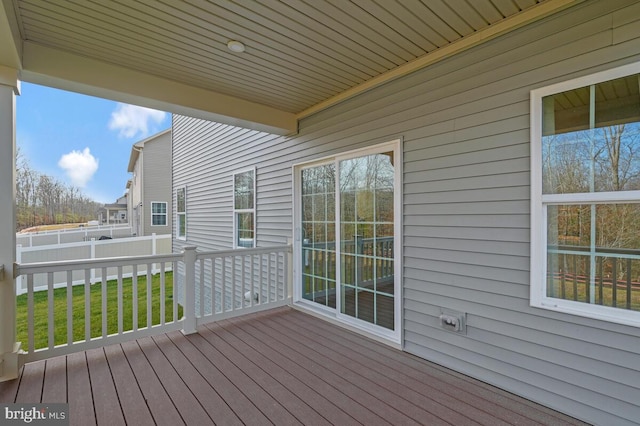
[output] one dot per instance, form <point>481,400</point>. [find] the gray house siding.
<point>157,181</point>
<point>466,202</point>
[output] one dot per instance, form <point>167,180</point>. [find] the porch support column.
<point>9,88</point>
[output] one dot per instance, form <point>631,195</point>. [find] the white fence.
<point>88,316</point>
<point>72,235</point>
<point>133,246</point>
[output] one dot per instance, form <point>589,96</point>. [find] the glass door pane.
<point>367,238</point>
<point>318,234</point>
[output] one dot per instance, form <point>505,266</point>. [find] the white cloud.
<point>132,121</point>
<point>79,166</point>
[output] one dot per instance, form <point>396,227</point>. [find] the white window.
<point>244,211</point>
<point>181,213</point>
<point>158,214</point>
<point>585,191</point>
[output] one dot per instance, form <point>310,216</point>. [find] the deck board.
<point>296,406</point>
<point>80,396</point>
<point>105,396</point>
<point>132,402</point>
<point>55,381</point>
<point>207,396</point>
<point>187,404</point>
<point>242,406</point>
<point>280,367</point>
<point>158,402</point>
<point>264,356</point>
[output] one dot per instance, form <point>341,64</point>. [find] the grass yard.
<point>60,310</point>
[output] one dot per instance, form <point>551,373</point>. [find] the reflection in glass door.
<point>347,228</point>
<point>366,238</point>
<point>318,235</point>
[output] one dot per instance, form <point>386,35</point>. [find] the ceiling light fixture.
<point>235,46</point>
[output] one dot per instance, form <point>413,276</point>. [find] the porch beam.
<point>10,40</point>
<point>8,347</point>
<point>64,70</point>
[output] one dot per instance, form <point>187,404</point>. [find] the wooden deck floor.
<point>279,367</point>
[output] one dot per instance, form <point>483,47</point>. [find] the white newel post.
<point>9,88</point>
<point>189,256</point>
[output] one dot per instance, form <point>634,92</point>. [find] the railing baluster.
<point>104,302</point>
<point>261,280</point>
<point>600,289</point>
<point>87,304</point>
<point>268,277</point>
<point>51,318</point>
<point>120,300</point>
<point>174,291</point>
<point>213,286</point>
<point>628,283</point>
<point>285,277</point>
<point>200,284</point>
<point>242,277</point>
<point>30,320</point>
<point>69,308</point>
<point>233,283</point>
<point>163,298</point>
<point>134,296</point>
<point>149,296</point>
<point>223,302</point>
<point>251,280</point>
<point>614,283</point>
<point>575,277</point>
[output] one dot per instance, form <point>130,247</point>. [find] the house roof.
<point>139,146</point>
<point>300,57</point>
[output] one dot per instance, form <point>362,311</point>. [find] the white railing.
<point>133,246</point>
<point>72,235</point>
<point>235,282</point>
<point>207,286</point>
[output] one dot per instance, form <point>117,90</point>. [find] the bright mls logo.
<point>36,414</point>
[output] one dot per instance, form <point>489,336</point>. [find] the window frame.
<point>396,336</point>
<point>237,212</point>
<point>165,214</point>
<point>540,203</point>
<point>180,214</point>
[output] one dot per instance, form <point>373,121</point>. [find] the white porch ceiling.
<point>301,55</point>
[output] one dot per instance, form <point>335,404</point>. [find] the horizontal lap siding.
<point>465,129</point>
<point>205,157</point>
<point>465,126</point>
<point>156,158</point>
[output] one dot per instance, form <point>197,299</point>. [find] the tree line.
<point>45,200</point>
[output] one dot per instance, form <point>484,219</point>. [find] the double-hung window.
<point>585,210</point>
<point>244,212</point>
<point>181,213</point>
<point>158,214</point>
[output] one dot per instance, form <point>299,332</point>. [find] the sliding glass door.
<point>347,235</point>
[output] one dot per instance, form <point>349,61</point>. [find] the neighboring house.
<point>417,213</point>
<point>116,212</point>
<point>150,185</point>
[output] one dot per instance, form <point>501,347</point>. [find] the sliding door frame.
<point>392,336</point>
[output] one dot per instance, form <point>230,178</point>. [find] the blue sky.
<point>82,140</point>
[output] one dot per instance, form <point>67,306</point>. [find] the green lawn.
<point>60,310</point>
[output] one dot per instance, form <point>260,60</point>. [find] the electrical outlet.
<point>453,321</point>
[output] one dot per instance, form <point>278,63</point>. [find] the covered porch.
<point>279,366</point>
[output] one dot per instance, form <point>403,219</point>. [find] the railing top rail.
<point>242,252</point>
<point>587,249</point>
<point>65,265</point>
